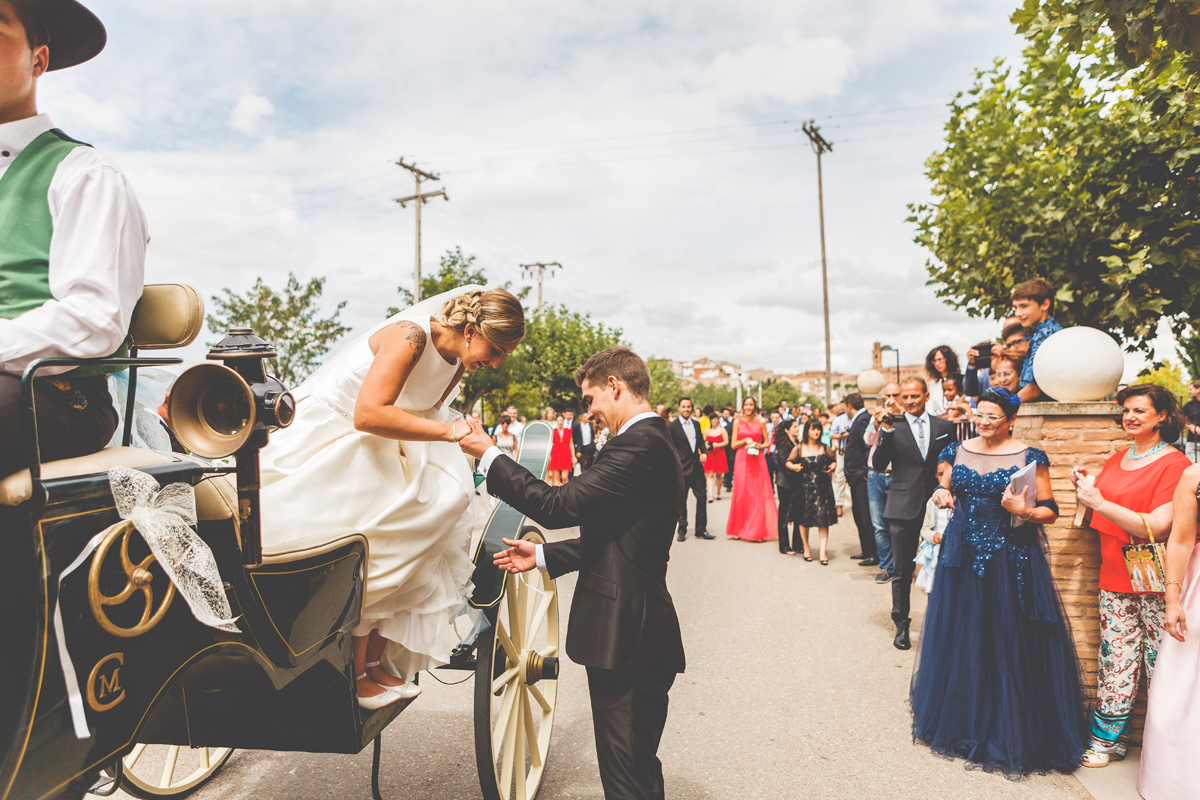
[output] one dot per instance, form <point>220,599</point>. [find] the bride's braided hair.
<point>496,314</point>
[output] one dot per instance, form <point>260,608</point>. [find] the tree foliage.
<point>289,320</point>
<point>1168,376</point>
<point>1076,170</point>
<point>1150,32</point>
<point>664,384</point>
<point>455,268</point>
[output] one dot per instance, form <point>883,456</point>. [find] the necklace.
<point>1134,456</point>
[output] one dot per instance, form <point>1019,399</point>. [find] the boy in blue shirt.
<point>1033,302</point>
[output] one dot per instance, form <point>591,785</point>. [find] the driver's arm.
<point>96,268</point>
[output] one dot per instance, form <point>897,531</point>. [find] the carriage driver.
<point>72,243</point>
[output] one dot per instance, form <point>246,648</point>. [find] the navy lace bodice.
<point>981,527</point>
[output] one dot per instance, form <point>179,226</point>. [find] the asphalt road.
<point>793,690</point>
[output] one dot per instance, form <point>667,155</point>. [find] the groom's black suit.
<point>623,624</point>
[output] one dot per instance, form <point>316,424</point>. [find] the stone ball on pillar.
<point>1079,365</point>
<point>871,381</point>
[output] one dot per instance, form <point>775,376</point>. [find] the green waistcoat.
<point>26,228</point>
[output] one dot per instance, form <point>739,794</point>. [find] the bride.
<point>373,448</point>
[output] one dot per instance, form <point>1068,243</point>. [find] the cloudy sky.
<point>653,148</point>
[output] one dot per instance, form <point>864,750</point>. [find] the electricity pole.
<point>419,200</point>
<point>820,146</point>
<point>553,265</point>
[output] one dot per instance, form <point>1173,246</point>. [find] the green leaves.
<point>286,319</point>
<point>1073,169</point>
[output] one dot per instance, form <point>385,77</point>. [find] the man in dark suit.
<point>584,437</point>
<point>911,443</point>
<point>623,624</point>
<point>855,466</point>
<point>693,452</point>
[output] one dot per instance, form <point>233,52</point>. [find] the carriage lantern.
<point>217,410</point>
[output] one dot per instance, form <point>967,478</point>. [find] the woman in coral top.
<point>753,515</point>
<point>1132,493</point>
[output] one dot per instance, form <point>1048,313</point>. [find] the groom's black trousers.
<point>629,712</point>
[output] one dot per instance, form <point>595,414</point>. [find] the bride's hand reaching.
<point>476,441</point>
<point>521,556</point>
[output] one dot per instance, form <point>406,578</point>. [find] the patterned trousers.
<point>1131,628</point>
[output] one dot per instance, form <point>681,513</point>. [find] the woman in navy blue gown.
<point>997,679</point>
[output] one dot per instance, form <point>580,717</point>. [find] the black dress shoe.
<point>883,577</point>
<point>901,641</point>
<point>681,536</point>
<point>705,535</point>
<point>858,556</point>
<point>870,561</point>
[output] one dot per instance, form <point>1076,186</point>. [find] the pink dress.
<point>753,515</point>
<point>1169,769</point>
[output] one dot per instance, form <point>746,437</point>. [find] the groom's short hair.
<point>622,364</point>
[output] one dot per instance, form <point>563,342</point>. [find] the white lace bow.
<point>164,517</point>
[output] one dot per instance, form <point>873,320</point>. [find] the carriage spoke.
<point>204,757</point>
<point>504,678</point>
<point>514,614</point>
<point>519,745</point>
<point>134,755</point>
<point>535,755</point>
<point>535,623</point>
<point>168,774</point>
<point>502,720</point>
<point>541,699</point>
<point>510,740</point>
<point>510,650</point>
<point>551,650</point>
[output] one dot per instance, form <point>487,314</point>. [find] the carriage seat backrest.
<point>169,315</point>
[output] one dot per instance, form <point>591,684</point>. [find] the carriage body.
<point>284,682</point>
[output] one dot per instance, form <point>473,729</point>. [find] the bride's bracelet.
<point>454,437</point>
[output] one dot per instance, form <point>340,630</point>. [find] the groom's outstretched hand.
<point>477,441</point>
<point>521,556</point>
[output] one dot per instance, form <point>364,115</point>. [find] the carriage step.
<point>462,657</point>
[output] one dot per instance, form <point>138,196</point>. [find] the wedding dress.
<point>414,501</point>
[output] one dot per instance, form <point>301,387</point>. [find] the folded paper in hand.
<point>1025,479</point>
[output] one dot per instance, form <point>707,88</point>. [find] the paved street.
<point>793,690</point>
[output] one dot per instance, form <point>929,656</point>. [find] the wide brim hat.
<point>76,34</point>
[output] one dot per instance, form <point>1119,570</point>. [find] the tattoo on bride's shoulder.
<point>415,336</point>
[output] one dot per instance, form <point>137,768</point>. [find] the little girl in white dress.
<point>373,448</point>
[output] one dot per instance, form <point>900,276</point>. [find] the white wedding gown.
<point>414,501</point>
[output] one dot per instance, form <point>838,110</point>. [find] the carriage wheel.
<point>516,684</point>
<point>160,770</point>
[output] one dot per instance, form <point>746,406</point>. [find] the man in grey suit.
<point>911,443</point>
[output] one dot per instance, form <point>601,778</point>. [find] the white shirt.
<point>585,434</point>
<point>515,428</point>
<point>924,417</point>
<point>689,429</point>
<point>97,258</point>
<point>492,452</point>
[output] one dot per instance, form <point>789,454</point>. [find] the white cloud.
<point>791,71</point>
<point>250,113</point>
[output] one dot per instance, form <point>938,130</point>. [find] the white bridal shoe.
<point>380,700</point>
<point>406,691</point>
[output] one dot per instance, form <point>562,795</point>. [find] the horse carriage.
<point>107,678</point>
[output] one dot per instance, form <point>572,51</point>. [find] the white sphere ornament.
<point>871,381</point>
<point>1078,365</point>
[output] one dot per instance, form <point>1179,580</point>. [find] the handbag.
<point>1144,563</point>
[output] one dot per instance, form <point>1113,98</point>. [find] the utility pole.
<point>541,268</point>
<point>820,146</point>
<point>419,200</point>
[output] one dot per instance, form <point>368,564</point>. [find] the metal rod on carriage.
<point>248,485</point>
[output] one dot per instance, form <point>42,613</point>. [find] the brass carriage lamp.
<point>217,410</point>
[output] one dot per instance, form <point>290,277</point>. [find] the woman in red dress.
<point>753,515</point>
<point>562,454</point>
<point>716,466</point>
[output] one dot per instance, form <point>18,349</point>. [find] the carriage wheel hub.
<point>539,668</point>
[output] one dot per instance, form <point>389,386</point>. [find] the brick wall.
<point>1085,435</point>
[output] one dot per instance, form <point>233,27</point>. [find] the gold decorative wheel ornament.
<point>516,685</point>
<point>160,770</point>
<point>138,578</point>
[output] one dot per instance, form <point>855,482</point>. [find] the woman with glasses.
<point>1130,501</point>
<point>997,678</point>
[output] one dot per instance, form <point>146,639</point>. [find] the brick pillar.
<point>1085,435</point>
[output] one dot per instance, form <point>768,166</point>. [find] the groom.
<point>623,625</point>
